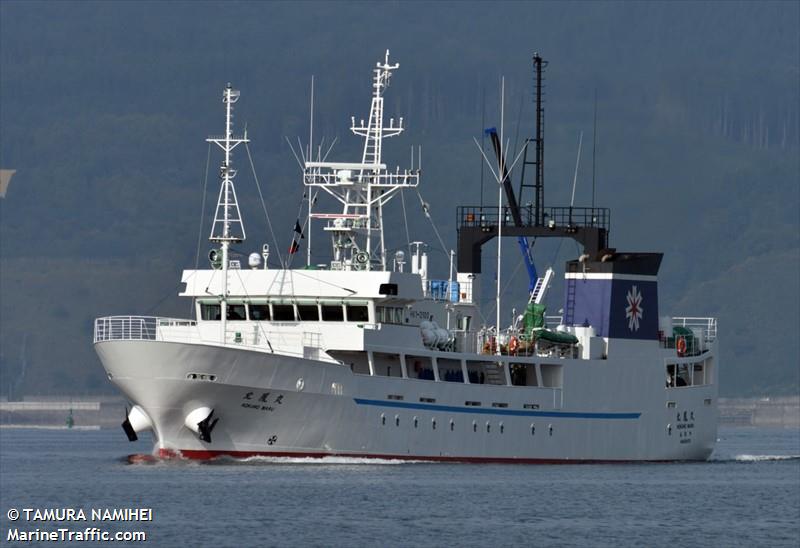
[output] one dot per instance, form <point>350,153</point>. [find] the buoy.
<point>680,345</point>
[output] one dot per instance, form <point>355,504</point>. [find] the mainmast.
<point>362,188</point>
<point>227,227</point>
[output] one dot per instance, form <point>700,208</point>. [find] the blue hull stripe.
<point>496,411</point>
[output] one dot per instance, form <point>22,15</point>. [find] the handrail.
<point>134,328</point>
<point>708,325</point>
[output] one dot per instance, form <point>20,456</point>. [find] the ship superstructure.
<point>364,357</point>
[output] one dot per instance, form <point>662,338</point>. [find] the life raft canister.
<point>680,345</point>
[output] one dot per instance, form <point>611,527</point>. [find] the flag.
<point>294,248</point>
<point>299,229</point>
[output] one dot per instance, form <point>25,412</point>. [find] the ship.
<point>368,356</point>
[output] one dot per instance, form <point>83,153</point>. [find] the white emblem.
<point>634,311</point>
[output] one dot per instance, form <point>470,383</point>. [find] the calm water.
<point>748,495</point>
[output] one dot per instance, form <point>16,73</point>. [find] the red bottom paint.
<point>194,454</point>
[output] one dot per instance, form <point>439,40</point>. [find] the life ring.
<point>513,346</point>
<point>680,345</point>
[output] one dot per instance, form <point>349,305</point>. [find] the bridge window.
<point>259,312</point>
<point>332,313</point>
<point>308,312</point>
<point>357,313</point>
<point>235,312</point>
<point>388,289</point>
<point>282,313</point>
<point>389,314</point>
<point>211,312</point>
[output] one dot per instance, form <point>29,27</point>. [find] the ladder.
<point>541,287</point>
<point>493,375</point>
<point>569,305</point>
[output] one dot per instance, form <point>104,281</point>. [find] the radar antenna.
<point>362,188</point>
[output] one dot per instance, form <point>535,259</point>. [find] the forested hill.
<point>104,108</point>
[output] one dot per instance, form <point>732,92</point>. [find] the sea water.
<point>748,494</point>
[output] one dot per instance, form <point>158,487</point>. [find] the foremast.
<point>363,188</point>
<point>227,227</point>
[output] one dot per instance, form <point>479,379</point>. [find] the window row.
<point>452,425</point>
<point>428,368</point>
<point>286,312</point>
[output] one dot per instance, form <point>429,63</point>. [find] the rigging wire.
<point>405,221</point>
<point>426,210</point>
<point>202,216</point>
<point>263,204</point>
<point>260,325</point>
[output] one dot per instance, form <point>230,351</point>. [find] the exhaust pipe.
<point>136,421</point>
<point>200,422</point>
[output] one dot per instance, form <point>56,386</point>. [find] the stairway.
<point>494,374</point>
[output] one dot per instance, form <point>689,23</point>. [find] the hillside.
<point>104,108</point>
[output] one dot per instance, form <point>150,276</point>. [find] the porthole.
<point>300,384</point>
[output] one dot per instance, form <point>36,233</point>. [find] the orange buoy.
<point>680,345</point>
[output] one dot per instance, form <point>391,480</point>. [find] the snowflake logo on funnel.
<point>634,310</point>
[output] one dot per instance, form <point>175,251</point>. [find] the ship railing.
<point>551,322</point>
<point>304,344</point>
<point>467,341</point>
<point>442,290</point>
<point>135,328</point>
<point>333,174</point>
<point>702,333</point>
<point>487,216</point>
<point>707,325</point>
<point>513,343</point>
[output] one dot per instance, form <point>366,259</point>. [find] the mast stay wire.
<point>405,221</point>
<point>202,216</point>
<point>426,210</point>
<point>263,204</point>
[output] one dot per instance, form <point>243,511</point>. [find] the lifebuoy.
<point>513,345</point>
<point>680,345</point>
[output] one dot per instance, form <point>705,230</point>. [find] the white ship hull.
<point>269,404</point>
